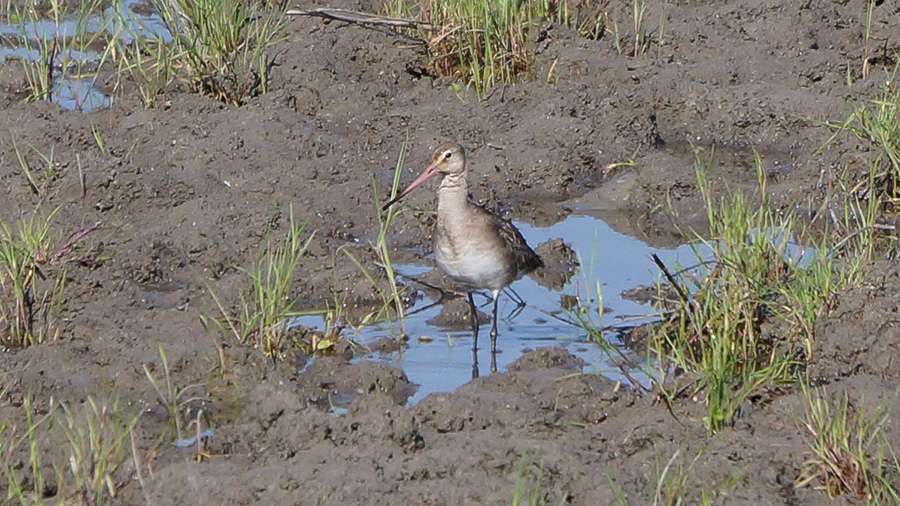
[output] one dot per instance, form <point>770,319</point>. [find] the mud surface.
<point>185,194</point>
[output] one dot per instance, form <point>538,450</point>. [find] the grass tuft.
<point>29,293</point>
<point>262,320</point>
<point>98,444</point>
<point>878,122</point>
<point>753,269</point>
<point>529,488</point>
<point>642,38</point>
<point>26,484</point>
<point>172,396</point>
<point>223,46</point>
<point>851,454</point>
<point>147,55</point>
<point>391,299</point>
<point>759,265</point>
<point>62,456</point>
<point>483,44</point>
<point>716,328</point>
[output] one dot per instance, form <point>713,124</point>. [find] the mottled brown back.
<point>525,259</point>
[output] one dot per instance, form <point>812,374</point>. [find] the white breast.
<point>471,263</point>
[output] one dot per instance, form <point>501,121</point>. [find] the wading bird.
<point>477,249</point>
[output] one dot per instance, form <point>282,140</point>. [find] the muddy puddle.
<point>440,358</point>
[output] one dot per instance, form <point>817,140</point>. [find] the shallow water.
<point>440,359</point>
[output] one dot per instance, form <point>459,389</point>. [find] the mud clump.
<point>560,264</point>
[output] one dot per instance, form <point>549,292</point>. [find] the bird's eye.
<point>447,155</point>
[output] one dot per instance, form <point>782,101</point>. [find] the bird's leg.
<point>494,323</point>
<point>473,311</point>
<point>473,314</point>
<point>494,333</point>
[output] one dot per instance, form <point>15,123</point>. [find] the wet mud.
<point>186,193</point>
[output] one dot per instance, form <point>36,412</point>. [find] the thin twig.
<point>444,293</point>
<point>671,279</point>
<point>362,18</point>
<point>77,236</point>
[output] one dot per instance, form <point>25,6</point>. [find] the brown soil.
<point>185,194</point>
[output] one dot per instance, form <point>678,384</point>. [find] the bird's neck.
<point>453,195</point>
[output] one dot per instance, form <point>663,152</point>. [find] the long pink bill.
<point>427,174</point>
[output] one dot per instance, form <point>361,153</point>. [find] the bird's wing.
<point>525,257</point>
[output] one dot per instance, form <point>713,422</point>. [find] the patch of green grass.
<point>261,319</point>
<point>588,17</point>
<point>759,264</point>
<point>26,484</point>
<point>483,44</point>
<point>173,397</point>
<point>878,123</point>
<point>529,489</point>
<point>146,55</point>
<point>98,444</point>
<point>840,260</point>
<point>29,293</point>
<point>851,454</point>
<point>222,45</point>
<point>150,66</point>
<point>40,68</point>
<point>716,328</point>
<point>41,46</point>
<point>753,270</point>
<point>66,456</point>
<point>642,38</point>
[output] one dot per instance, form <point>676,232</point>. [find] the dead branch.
<point>362,18</point>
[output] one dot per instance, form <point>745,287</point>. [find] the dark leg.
<point>494,324</point>
<point>474,316</point>
<point>494,334</point>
